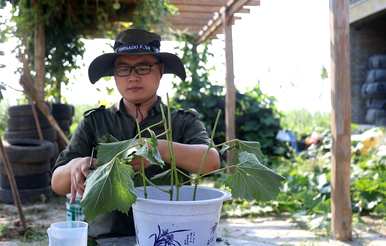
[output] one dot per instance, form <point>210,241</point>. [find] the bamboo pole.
<point>340,120</point>
<point>12,182</point>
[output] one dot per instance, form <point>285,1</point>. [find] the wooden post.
<point>340,120</point>
<point>230,96</point>
<point>12,183</point>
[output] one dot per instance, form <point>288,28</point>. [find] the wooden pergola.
<point>206,18</point>
<point>210,17</point>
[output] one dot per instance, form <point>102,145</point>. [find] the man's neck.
<point>139,111</point>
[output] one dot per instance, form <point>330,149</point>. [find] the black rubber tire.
<point>65,125</point>
<point>377,61</point>
<point>376,75</point>
<point>376,103</point>
<point>23,110</point>
<point>49,134</point>
<point>32,181</point>
<point>25,123</point>
<point>374,90</point>
<point>28,150</point>
<point>26,196</point>
<point>62,111</point>
<point>22,169</point>
<point>374,115</point>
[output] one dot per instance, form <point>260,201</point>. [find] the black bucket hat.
<point>135,42</point>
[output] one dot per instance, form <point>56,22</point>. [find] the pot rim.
<point>225,196</point>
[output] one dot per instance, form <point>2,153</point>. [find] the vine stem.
<point>169,149</point>
<point>142,162</point>
<point>214,171</point>
<point>205,156</point>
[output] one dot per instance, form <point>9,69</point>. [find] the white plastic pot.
<point>159,221</point>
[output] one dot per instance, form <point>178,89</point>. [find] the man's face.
<point>137,77</point>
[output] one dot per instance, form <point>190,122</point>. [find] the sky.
<point>281,45</point>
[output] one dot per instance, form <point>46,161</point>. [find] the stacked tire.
<point>63,114</point>
<point>21,125</point>
<point>374,90</point>
<point>30,161</point>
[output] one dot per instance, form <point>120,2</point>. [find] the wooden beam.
<point>199,2</point>
<point>233,6</point>
<point>195,15</point>
<point>198,9</point>
<point>340,120</point>
<point>188,21</point>
<point>253,3</point>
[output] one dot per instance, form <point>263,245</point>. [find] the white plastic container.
<point>159,221</point>
<point>68,233</point>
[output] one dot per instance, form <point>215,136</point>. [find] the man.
<point>137,66</point>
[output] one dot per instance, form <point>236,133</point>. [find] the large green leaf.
<point>110,187</point>
<point>108,151</point>
<point>238,146</point>
<point>252,180</point>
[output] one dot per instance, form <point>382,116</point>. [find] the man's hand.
<point>136,163</point>
<point>80,168</point>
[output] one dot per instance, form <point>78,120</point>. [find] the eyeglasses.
<point>139,69</point>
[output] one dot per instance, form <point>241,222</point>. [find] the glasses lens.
<point>122,71</point>
<point>142,69</point>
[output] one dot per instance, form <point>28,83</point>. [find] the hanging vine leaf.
<point>253,180</point>
<point>110,187</point>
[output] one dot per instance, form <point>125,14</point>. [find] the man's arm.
<point>190,156</point>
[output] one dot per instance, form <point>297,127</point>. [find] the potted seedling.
<point>176,214</point>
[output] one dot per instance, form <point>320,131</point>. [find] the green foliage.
<point>3,116</point>
<point>303,122</point>
<point>66,22</point>
<point>257,118</point>
<point>111,186</point>
<point>252,180</point>
<point>306,192</point>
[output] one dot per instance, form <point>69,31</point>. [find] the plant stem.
<point>169,148</point>
<point>171,151</point>
<point>212,172</point>
<point>141,131</point>
<point>156,186</point>
<point>142,163</point>
<point>205,157</point>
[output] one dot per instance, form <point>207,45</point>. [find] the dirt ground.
<point>232,231</point>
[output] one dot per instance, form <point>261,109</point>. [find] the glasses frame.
<point>134,68</point>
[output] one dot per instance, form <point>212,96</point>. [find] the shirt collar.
<point>155,109</point>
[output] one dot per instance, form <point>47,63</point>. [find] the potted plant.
<point>178,214</point>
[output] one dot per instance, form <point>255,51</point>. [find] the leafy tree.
<point>67,22</point>
<point>257,118</point>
